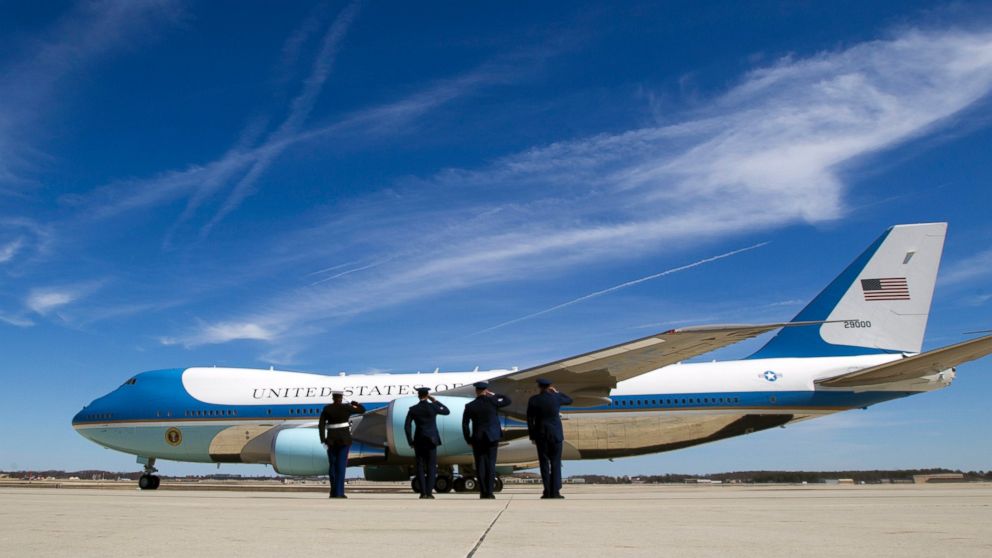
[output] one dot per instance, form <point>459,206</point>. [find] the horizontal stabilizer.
<point>914,367</point>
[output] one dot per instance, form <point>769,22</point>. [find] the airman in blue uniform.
<point>426,440</point>
<point>545,431</point>
<point>482,415</point>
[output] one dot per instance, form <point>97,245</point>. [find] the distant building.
<point>938,477</point>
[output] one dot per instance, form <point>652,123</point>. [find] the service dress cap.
<point>480,385</point>
<point>423,390</point>
<point>543,382</point>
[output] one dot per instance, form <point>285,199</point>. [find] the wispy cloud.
<point>18,321</point>
<point>340,274</point>
<point>9,249</point>
<point>228,331</point>
<point>300,109</point>
<point>768,153</point>
<point>22,240</point>
<point>977,266</point>
<point>238,170</point>
<point>44,301</point>
<point>32,78</point>
<point>621,286</point>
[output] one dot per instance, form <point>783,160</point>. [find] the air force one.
<point>856,344</point>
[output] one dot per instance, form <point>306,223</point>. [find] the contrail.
<point>348,272</point>
<point>622,286</point>
<point>332,268</point>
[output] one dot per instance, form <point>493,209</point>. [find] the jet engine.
<point>448,426</point>
<point>387,473</point>
<point>298,451</point>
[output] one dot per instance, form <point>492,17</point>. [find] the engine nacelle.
<point>387,473</point>
<point>448,426</point>
<point>298,451</point>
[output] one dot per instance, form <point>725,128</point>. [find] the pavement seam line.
<point>478,543</point>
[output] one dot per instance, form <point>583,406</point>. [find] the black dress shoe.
<point>423,496</point>
<point>545,497</point>
<point>491,497</point>
<point>558,497</point>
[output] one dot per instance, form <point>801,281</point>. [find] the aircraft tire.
<point>471,485</point>
<point>415,485</point>
<point>459,484</point>
<point>145,482</point>
<point>443,484</point>
<point>498,485</point>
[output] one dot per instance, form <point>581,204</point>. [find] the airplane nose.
<point>76,420</point>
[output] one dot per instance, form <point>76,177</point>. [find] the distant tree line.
<point>795,477</point>
<point>88,474</point>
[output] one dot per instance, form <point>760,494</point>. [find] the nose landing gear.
<point>149,480</point>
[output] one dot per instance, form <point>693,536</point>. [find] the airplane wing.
<point>588,378</point>
<point>916,367</point>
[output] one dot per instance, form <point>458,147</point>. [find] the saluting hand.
<point>488,393</point>
<point>553,389</point>
<point>431,397</point>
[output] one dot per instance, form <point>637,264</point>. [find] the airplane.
<point>857,344</point>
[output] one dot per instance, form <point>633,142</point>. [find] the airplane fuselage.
<point>231,415</point>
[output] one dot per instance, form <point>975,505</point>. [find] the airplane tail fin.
<point>879,304</point>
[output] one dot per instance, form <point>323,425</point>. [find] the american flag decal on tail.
<point>891,288</point>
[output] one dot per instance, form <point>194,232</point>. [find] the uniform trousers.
<point>549,455</point>
<point>426,454</point>
<point>485,465</point>
<point>337,465</point>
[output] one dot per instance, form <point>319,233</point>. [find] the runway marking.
<point>478,543</point>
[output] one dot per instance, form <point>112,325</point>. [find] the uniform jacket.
<point>481,413</point>
<point>544,416</point>
<point>337,413</point>
<point>424,414</point>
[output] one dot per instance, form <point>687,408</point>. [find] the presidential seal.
<point>173,436</point>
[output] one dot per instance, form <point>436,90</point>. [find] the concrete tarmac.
<point>630,520</point>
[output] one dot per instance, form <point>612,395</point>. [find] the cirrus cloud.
<point>770,152</point>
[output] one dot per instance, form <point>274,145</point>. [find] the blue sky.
<point>376,186</point>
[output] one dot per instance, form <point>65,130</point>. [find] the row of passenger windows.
<point>676,401</point>
<point>98,416</point>
<point>233,412</point>
<point>214,413</point>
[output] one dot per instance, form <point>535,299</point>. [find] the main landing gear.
<point>471,484</point>
<point>447,481</point>
<point>149,480</point>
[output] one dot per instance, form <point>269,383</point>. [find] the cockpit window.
<point>131,382</point>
